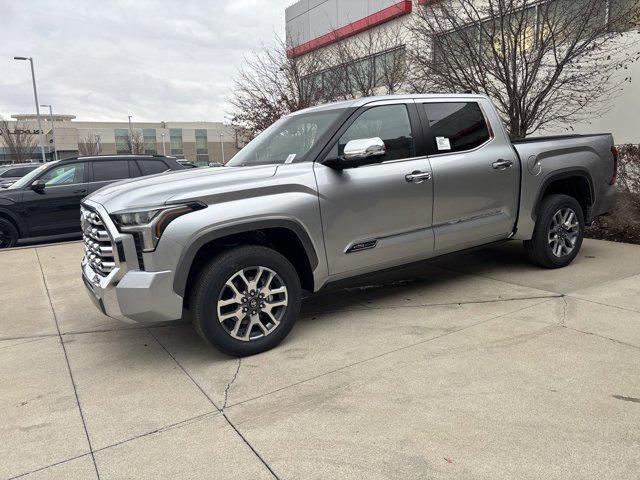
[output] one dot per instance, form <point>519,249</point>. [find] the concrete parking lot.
<point>479,366</point>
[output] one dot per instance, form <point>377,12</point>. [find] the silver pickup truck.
<point>333,192</point>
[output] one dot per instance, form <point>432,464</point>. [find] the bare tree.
<point>21,142</point>
<point>89,145</point>
<point>135,142</point>
<point>543,63</point>
<point>273,83</point>
<point>370,63</point>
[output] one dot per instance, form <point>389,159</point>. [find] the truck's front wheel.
<point>246,300</point>
<point>558,234</point>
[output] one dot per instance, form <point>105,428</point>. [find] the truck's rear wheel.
<point>246,300</point>
<point>558,234</point>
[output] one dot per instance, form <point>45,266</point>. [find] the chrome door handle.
<point>502,164</point>
<point>417,176</point>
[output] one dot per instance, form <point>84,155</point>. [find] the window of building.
<point>149,139</point>
<point>623,15</point>
<point>69,174</point>
<point>381,69</point>
<point>456,127</point>
<point>150,167</point>
<point>110,170</point>
<point>201,143</point>
<point>388,122</point>
<point>122,140</point>
<point>175,140</point>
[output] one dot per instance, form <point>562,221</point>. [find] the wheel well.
<point>577,187</point>
<point>280,239</point>
<point>8,218</point>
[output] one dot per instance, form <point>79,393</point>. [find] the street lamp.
<point>164,147</point>
<point>130,129</point>
<point>35,94</point>
<point>222,147</point>
<point>53,131</point>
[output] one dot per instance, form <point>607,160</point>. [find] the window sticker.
<point>290,158</point>
<point>443,143</point>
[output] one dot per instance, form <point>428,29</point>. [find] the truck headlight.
<point>150,223</point>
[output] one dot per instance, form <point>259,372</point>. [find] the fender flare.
<point>189,253</point>
<point>560,175</point>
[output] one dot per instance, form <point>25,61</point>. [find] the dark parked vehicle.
<point>187,164</point>
<point>46,201</point>
<point>10,173</point>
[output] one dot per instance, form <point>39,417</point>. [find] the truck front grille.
<point>98,248</point>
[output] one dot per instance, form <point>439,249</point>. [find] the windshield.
<point>30,177</point>
<point>286,141</point>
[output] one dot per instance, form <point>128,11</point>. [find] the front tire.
<point>246,300</point>
<point>558,233</point>
<point>8,234</point>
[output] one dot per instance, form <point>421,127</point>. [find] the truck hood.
<point>179,186</point>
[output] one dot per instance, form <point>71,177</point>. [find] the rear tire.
<point>8,234</point>
<point>246,300</point>
<point>558,233</point>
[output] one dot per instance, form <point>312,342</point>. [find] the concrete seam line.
<point>66,357</point>
<point>619,342</point>
<point>604,304</point>
<point>221,410</point>
<point>472,274</point>
<point>55,464</point>
<point>399,349</point>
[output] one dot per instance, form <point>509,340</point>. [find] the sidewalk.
<point>481,366</point>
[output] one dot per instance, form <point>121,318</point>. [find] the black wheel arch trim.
<point>186,258</point>
<point>22,228</point>
<point>560,175</point>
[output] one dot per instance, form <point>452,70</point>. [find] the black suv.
<point>10,173</point>
<point>46,201</point>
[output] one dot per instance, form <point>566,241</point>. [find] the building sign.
<point>20,131</point>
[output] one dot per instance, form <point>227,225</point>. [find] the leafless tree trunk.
<point>135,142</point>
<point>89,145</point>
<point>544,64</point>
<point>20,142</point>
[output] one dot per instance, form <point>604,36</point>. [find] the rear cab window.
<point>455,126</point>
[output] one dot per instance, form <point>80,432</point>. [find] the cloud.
<point>155,60</point>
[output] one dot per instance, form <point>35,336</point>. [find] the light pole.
<point>35,94</point>
<point>53,131</point>
<point>164,147</point>
<point>222,147</point>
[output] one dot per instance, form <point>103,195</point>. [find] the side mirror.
<point>359,152</point>
<point>38,186</point>
<point>364,148</point>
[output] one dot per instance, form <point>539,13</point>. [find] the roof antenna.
<point>468,91</point>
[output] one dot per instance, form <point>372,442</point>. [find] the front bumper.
<point>126,293</point>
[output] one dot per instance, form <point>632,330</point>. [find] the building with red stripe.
<point>315,27</point>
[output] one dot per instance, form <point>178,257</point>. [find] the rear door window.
<point>149,167</point>
<point>456,126</point>
<point>110,170</point>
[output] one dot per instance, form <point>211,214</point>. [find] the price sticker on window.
<point>443,143</point>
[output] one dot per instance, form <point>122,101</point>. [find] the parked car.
<point>333,192</point>
<point>46,201</point>
<point>187,163</point>
<point>10,173</point>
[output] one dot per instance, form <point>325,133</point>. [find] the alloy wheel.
<point>564,232</point>
<point>252,303</point>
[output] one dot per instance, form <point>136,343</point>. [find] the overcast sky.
<point>170,60</point>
